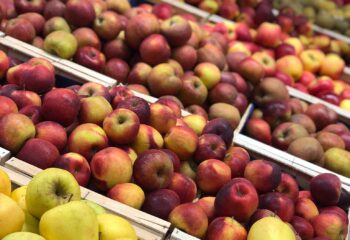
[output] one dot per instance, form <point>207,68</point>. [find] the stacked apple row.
<point>309,131</point>
<point>50,207</point>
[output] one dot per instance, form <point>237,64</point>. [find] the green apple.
<point>113,227</point>
<point>61,43</point>
<point>97,208</point>
<point>73,220</point>
<point>50,188</point>
<point>23,236</point>
<point>31,223</point>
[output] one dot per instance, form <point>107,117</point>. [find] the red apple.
<point>21,29</point>
<point>23,6</point>
<point>288,186</point>
<point>138,106</point>
<point>52,132</point>
<point>154,49</point>
<point>79,13</point>
<point>237,159</point>
<point>210,146</point>
<point>325,189</point>
<point>118,69</point>
<point>87,37</point>
<point>278,203</point>
<point>107,25</point>
<point>184,186</point>
<point>176,30</point>
<point>91,58</point>
<point>259,129</point>
<point>226,228</point>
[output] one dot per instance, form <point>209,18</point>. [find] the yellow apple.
<point>270,228</point>
<point>196,122</point>
<point>13,214</point>
<point>31,223</point>
<point>345,104</point>
<point>73,220</point>
<point>112,227</point>
<point>19,196</point>
<point>23,236</point>
<point>5,183</point>
<point>312,59</point>
<point>296,43</point>
<point>97,208</point>
<point>239,47</point>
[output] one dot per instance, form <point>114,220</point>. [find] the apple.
<point>210,146</point>
<point>138,106</point>
<point>153,170</point>
<point>147,138</point>
<point>173,103</point>
<point>269,35</point>
<point>35,19</point>
<point>284,134</point>
<point>302,227</point>
<point>21,29</point>
<point>284,49</point>
<point>329,225</point>
<point>117,48</point>
<point>23,235</point>
<point>190,218</point>
<point>284,65</point>
<point>259,129</point>
<point>25,98</point>
<point>33,112</point>
<point>79,13</point>
<point>107,25</point>
<point>211,53</point>
<point>162,10</point>
<point>234,58</point>
<point>265,228</point>
<point>220,127</point>
<point>7,105</point>
<point>118,6</point>
<point>54,8</point>
<point>237,159</point>
<point>208,73</point>
<point>52,132</point>
<point>23,6</point>
<point>321,115</point>
<point>55,24</point>
<point>86,37</point>
<point>92,89</point>
<point>150,49</point>
<point>128,193</point>
<point>266,61</point>
<point>325,189</point>
<point>117,69</point>
<point>251,70</point>
<point>226,111</point>
<point>312,59</point>
<point>261,213</point>
<point>226,228</point>
<point>61,43</point>
<point>278,203</point>
<point>337,71</point>
<point>184,186</point>
<point>14,224</point>
<point>102,106</point>
<point>91,58</point>
<point>162,117</point>
<point>139,73</point>
<point>336,210</point>
<point>193,91</point>
<point>186,55</point>
<point>176,30</point>
<point>329,140</point>
<point>306,208</point>
<point>224,93</point>
<point>49,189</point>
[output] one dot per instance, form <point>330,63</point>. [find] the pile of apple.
<point>50,208</point>
<point>310,132</point>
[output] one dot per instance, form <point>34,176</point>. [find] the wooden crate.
<point>4,156</point>
<point>146,226</point>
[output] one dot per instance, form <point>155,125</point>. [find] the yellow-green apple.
<point>284,49</point>
<point>184,186</point>
<point>101,109</point>
<point>186,56</point>
<point>237,159</point>
<point>290,65</point>
<point>325,189</point>
<point>160,203</point>
<point>36,20</point>
<point>87,139</point>
<point>139,73</point>
<point>223,93</point>
<point>181,140</point>
<point>138,106</point>
<point>39,152</point>
<point>118,6</point>
<point>54,8</point>
<point>288,186</point>
<point>73,224</point>
<point>33,112</point>
<point>50,188</point>
<point>196,110</point>
<point>15,130</point>
<point>226,111</point>
<point>79,13</point>
<point>312,59</point>
<point>207,205</point>
<point>145,23</point>
<point>77,165</point>
<point>226,228</point>
<point>259,129</point>
<point>196,122</point>
<point>208,73</point>
<point>121,126</point>
<point>261,213</point>
<point>176,30</point>
<point>237,198</point>
<point>10,208</point>
<point>147,138</point>
<point>163,10</point>
<point>251,70</point>
<point>153,169</point>
<point>117,48</point>
<point>117,68</point>
<point>128,193</point>
<point>329,140</point>
<point>337,159</point>
<point>111,166</point>
<point>264,175</point>
<point>154,49</point>
<point>162,80</point>
<point>278,203</point>
<point>23,6</point>
<point>107,25</point>
<point>210,53</point>
<point>87,37</point>
<point>267,62</point>
<point>23,236</point>
<point>61,43</point>
<point>173,103</point>
<point>91,58</point>
<point>285,133</point>
<point>56,24</point>
<point>265,228</point>
<point>306,208</point>
<point>190,218</point>
<point>131,152</point>
<point>307,148</point>
<point>269,35</point>
<point>114,227</point>
<point>193,91</point>
<point>7,105</point>
<point>296,43</point>
<point>330,226</point>
<point>212,174</point>
<point>91,89</point>
<point>162,118</point>
<point>21,29</point>
<point>332,59</point>
<point>220,127</point>
<point>321,115</point>
<point>210,146</point>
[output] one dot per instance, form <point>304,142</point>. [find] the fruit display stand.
<point>277,155</point>
<point>146,226</point>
